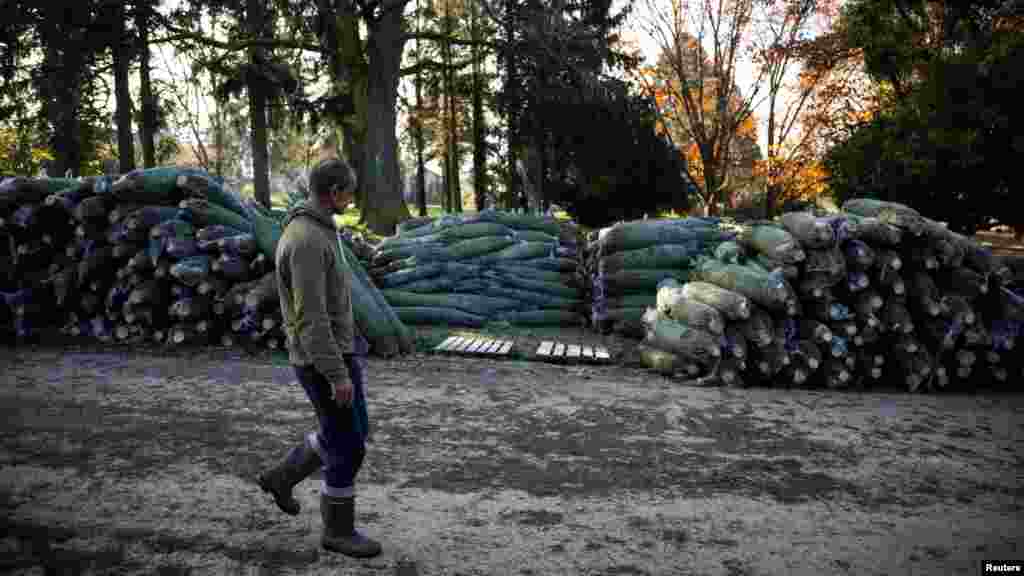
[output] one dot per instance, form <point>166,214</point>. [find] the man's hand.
<point>343,392</point>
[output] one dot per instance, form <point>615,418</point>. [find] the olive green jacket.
<point>315,287</point>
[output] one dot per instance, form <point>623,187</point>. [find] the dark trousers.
<point>341,439</point>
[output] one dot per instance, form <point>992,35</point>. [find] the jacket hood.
<point>310,209</point>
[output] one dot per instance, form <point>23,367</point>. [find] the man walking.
<point>314,283</point>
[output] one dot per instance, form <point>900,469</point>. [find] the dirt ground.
<point>142,463</point>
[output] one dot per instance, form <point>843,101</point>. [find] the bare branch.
<point>239,45</point>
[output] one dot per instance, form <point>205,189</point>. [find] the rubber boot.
<point>302,461</point>
<point>339,533</point>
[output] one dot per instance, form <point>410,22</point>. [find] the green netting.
<point>203,213</point>
<point>653,257</point>
<point>519,251</point>
<point>401,336</point>
<point>474,230</point>
<point>541,318</point>
<point>473,247</point>
<point>528,222</point>
<point>673,302</point>
<point>544,301</point>
<point>537,274</point>
<point>550,263</point>
<point>764,289</point>
<point>545,288</point>
<point>730,253</point>
<point>268,233</point>
<point>207,187</point>
<point>809,230</point>
<point>876,231</point>
<point>471,303</point>
<point>432,252</point>
<point>422,315</point>
<point>55,185</point>
<point>422,272</point>
<point>430,285</point>
<point>732,305</point>
<point>689,343</point>
<point>645,233</point>
<point>392,242</point>
<point>639,280</point>
<point>894,213</point>
<point>774,241</point>
<point>173,228</point>
<point>157,186</point>
<point>469,286</point>
<point>535,236</point>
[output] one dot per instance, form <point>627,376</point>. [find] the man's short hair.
<point>330,175</point>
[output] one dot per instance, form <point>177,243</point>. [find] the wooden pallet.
<point>559,352</point>
<point>475,346</point>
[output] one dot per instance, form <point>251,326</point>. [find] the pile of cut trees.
<point>877,294</point>
<point>468,270</point>
<point>162,255</point>
<point>625,263</point>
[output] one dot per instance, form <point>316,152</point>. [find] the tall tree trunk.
<point>771,192</point>
<point>353,144</point>
<point>711,190</point>
<point>479,126</point>
<point>514,188</point>
<point>64,66</point>
<point>447,205</point>
<point>537,160</point>
<point>121,51</point>
<point>258,107</point>
<point>455,190</point>
<point>147,130</point>
<point>421,178</point>
<point>339,36</point>
<point>385,206</point>
<point>456,164</point>
<point>218,137</point>
<point>421,175</point>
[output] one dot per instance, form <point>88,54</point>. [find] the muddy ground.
<point>142,463</point>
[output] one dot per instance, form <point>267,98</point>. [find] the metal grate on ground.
<point>470,346</point>
<point>550,351</point>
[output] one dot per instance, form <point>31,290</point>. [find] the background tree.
<point>699,48</point>
<point>950,78</point>
<point>148,123</point>
<point>781,29</point>
<point>599,184</point>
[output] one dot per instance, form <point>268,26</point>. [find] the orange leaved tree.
<point>694,85</point>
